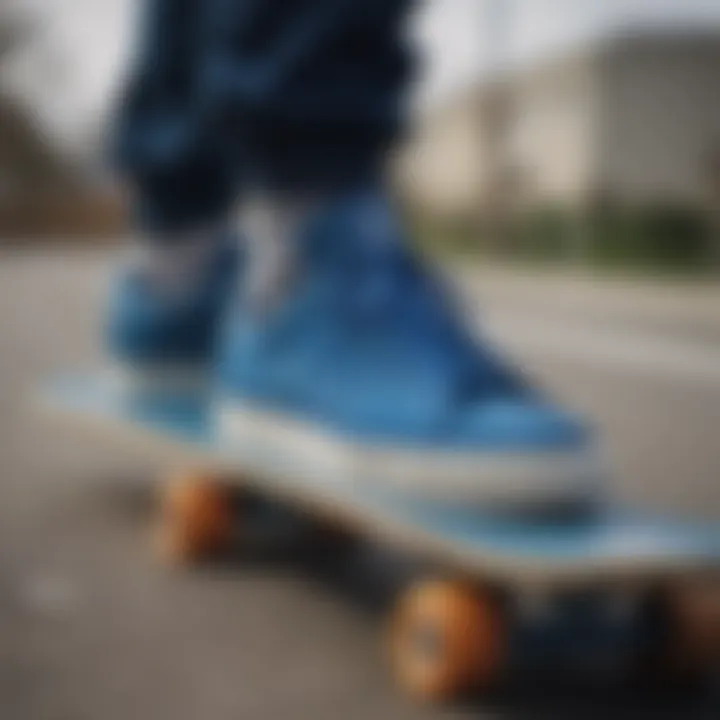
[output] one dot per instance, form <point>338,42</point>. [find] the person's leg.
<point>169,295</point>
<point>163,143</point>
<point>311,88</point>
<point>309,97</point>
<point>353,364</point>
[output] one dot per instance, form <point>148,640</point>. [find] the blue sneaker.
<point>162,322</point>
<point>362,373</point>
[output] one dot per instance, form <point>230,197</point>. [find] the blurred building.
<point>28,164</point>
<point>43,192</point>
<point>630,119</point>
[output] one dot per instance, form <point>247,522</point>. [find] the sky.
<point>69,72</point>
<point>466,39</point>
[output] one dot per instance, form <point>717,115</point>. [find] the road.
<point>90,629</point>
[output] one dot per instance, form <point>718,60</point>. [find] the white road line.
<point>660,355</point>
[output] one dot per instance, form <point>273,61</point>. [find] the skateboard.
<point>492,592</point>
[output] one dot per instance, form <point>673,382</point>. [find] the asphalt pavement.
<point>92,629</point>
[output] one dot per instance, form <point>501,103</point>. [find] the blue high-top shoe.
<point>162,336</point>
<point>362,373</point>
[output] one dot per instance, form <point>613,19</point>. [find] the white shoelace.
<point>269,226</point>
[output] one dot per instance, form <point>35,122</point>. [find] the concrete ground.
<point>92,629</point>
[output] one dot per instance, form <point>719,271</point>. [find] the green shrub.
<point>661,236</point>
<point>544,234</point>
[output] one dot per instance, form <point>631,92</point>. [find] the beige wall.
<point>660,119</point>
<point>552,143</point>
<point>458,158</point>
<point>442,165</point>
<point>637,119</point>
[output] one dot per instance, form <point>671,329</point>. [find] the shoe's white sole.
<point>445,476</point>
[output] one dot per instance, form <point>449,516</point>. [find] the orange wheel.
<point>446,638</point>
<point>197,518</point>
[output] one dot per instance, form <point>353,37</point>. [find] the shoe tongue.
<point>379,229</point>
<point>362,224</point>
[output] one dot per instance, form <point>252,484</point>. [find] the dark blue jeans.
<point>281,94</point>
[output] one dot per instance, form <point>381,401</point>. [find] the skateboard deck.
<point>471,616</point>
<point>612,544</point>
